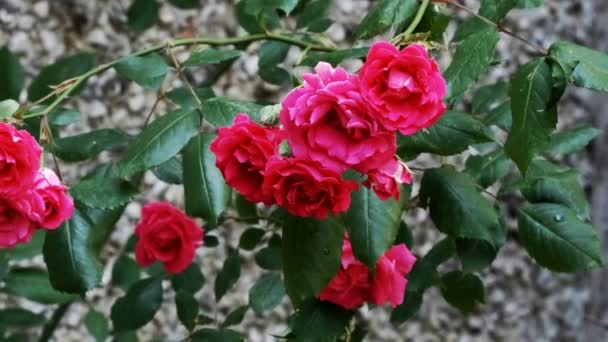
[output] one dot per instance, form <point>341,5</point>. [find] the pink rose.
<point>328,121</point>
<point>405,89</point>
<point>351,286</point>
<point>58,205</point>
<point>306,188</point>
<point>390,282</point>
<point>15,226</point>
<point>386,180</point>
<point>242,151</point>
<point>167,235</point>
<point>19,159</point>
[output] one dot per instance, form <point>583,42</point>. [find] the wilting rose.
<point>19,159</point>
<point>242,151</point>
<point>386,180</point>
<point>306,188</point>
<point>328,121</point>
<point>390,282</point>
<point>167,235</point>
<point>405,89</point>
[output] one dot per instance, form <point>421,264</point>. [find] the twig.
<point>417,18</point>
<point>50,326</point>
<point>491,23</point>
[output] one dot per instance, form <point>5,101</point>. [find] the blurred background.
<point>524,302</point>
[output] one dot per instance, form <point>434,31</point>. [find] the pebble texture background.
<point>524,302</point>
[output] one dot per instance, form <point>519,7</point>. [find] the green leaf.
<point>269,258</point>
<point>387,14</point>
<point>104,222</point>
<point>148,71</point>
<point>138,306</point>
<point>97,325</point>
<point>464,291</point>
<point>20,318</point>
<point>271,54</point>
<point>456,206</point>
<point>104,192</point>
<point>557,239</point>
<point>571,141</point>
<point>126,272</point>
<point>335,57</point>
<point>489,97</point>
<point>88,145</point>
<point>586,67</point>
<point>494,10</point>
<point>314,15</point>
<point>500,116</point>
<point>247,210</point>
<point>267,293</point>
<point>434,23</point>
<point>64,116</point>
<point>250,238</point>
<point>529,3</point>
<point>206,192</point>
<point>372,225</point>
<point>191,280</point>
<point>33,284</point>
<point>211,56</point>
<point>13,75</point>
<point>452,134</point>
<point>319,321</point>
<point>70,259</point>
<point>170,172</point>
<point>28,250</point>
<point>488,169</point>
<point>228,276</point>
<point>221,111</point>
<point>257,16</point>
<point>214,335</point>
<point>533,103</point>
<point>475,254</point>
<point>142,15</point>
<point>187,308</point>
<point>545,183</point>
<point>312,251</point>
<point>471,60</point>
<point>159,142</point>
<point>404,235</point>
<point>63,69</point>
<point>235,317</point>
<point>184,98</point>
<point>7,109</point>
<point>186,4</point>
<point>210,240</point>
<point>423,275</point>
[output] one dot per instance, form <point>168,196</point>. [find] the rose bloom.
<point>167,235</point>
<point>19,159</point>
<point>15,226</point>
<point>354,284</point>
<point>350,288</point>
<point>327,120</point>
<point>386,180</point>
<point>242,151</point>
<point>306,188</point>
<point>405,89</point>
<point>58,206</point>
<point>389,284</point>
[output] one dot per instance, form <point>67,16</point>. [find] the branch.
<point>498,26</point>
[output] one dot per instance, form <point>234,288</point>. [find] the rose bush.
<point>325,179</point>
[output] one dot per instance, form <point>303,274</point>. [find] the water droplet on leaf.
<point>558,218</point>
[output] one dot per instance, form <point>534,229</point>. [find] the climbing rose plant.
<point>322,176</point>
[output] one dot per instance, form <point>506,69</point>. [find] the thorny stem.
<point>491,23</point>
<point>63,93</point>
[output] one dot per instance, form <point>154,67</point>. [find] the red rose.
<point>15,226</point>
<point>390,282</point>
<point>167,235</point>
<point>58,206</point>
<point>19,159</point>
<point>351,286</point>
<point>305,188</point>
<point>242,151</point>
<point>387,179</point>
<point>404,89</point>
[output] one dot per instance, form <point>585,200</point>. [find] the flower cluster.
<point>354,284</point>
<point>30,197</point>
<point>335,122</point>
<point>167,235</point>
